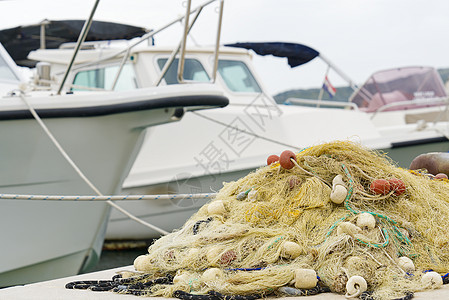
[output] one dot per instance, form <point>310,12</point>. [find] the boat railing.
<point>125,53</point>
<point>411,104</point>
<point>318,103</point>
<point>81,39</point>
<point>182,46</point>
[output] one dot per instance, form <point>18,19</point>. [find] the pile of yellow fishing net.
<point>322,224</point>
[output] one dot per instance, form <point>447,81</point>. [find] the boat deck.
<point>54,289</point>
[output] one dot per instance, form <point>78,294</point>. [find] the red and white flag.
<point>328,87</point>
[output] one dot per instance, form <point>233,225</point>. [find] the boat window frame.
<point>187,58</point>
<point>248,67</point>
<point>115,64</point>
<point>11,66</point>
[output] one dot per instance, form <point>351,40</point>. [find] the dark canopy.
<point>19,41</point>
<point>296,54</point>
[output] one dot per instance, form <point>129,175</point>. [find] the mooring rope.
<point>80,173</point>
<point>58,146</point>
<point>247,132</point>
<point>107,198</point>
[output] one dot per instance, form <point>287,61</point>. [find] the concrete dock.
<point>55,290</point>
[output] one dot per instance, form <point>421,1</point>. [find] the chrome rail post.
<point>119,71</point>
<point>176,51</point>
<point>81,39</point>
<point>143,38</point>
<point>44,23</point>
<point>183,43</point>
<point>217,42</point>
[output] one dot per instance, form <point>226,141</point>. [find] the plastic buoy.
<point>272,159</point>
<point>406,264</point>
<point>285,159</point>
<point>305,278</point>
<point>338,194</point>
<point>291,250</point>
<point>355,286</point>
<point>366,220</point>
<point>440,176</point>
<point>380,186</point>
<point>397,185</point>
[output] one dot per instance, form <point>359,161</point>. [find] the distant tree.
<point>444,73</point>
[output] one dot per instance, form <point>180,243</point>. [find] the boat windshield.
<point>103,78</point>
<point>235,74</point>
<point>6,73</point>
<point>193,70</point>
<point>397,85</point>
<point>238,77</point>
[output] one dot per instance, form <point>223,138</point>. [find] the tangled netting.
<point>266,233</point>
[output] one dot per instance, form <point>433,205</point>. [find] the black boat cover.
<point>296,54</point>
<point>19,41</point>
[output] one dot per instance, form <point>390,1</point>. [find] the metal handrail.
<point>81,39</point>
<point>119,71</point>
<point>217,43</point>
<point>322,102</point>
<point>183,43</point>
<point>142,39</point>
<point>170,60</point>
<point>435,100</point>
<point>181,63</point>
<point>42,24</point>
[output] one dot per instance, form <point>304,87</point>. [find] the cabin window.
<point>6,72</point>
<point>103,78</point>
<point>238,77</point>
<point>193,70</point>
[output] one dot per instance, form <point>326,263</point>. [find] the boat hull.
<point>50,239</point>
<point>40,234</point>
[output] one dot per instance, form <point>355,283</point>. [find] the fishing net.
<point>263,233</point>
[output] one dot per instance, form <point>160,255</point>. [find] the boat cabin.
<point>98,64</point>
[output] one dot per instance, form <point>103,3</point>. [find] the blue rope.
<point>246,269</point>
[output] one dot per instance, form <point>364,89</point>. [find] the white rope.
<point>107,198</point>
<point>246,131</point>
<point>75,167</point>
<point>56,143</point>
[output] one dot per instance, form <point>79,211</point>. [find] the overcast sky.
<point>359,36</point>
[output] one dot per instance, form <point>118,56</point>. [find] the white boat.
<point>101,132</point>
<point>211,147</point>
